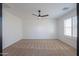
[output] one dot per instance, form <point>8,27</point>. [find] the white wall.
<point>72,41</point>
<point>12,28</point>
<point>43,28</point>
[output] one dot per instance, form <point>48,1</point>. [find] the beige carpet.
<point>39,47</point>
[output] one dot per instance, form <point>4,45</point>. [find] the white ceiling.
<point>54,10</point>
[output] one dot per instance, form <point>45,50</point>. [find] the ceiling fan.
<point>39,15</point>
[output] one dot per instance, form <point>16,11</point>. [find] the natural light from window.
<point>70,27</point>
<point>67,27</point>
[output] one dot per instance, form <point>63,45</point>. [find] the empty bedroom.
<point>39,29</point>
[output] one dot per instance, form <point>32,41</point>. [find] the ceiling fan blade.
<point>44,15</point>
<point>34,14</point>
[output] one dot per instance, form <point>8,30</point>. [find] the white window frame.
<point>66,27</point>
<point>72,33</point>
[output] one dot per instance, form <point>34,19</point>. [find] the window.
<point>74,34</point>
<point>67,27</point>
<point>70,27</point>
